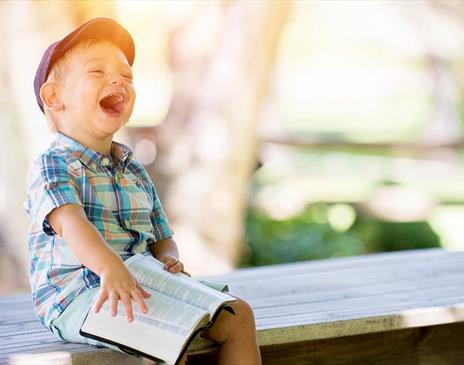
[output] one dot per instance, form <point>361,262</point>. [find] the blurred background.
<point>275,131</point>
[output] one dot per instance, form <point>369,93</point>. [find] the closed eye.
<point>96,72</point>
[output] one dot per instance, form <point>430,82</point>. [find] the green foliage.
<point>309,236</point>
<point>305,237</point>
<point>392,236</point>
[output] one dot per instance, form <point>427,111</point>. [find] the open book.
<point>178,309</point>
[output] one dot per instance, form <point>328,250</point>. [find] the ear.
<point>49,96</point>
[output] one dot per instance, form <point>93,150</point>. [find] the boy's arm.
<point>86,243</point>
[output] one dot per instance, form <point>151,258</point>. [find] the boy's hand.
<point>117,283</point>
<point>172,264</point>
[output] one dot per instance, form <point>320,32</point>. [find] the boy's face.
<point>95,87</point>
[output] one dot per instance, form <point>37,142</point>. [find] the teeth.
<point>119,97</point>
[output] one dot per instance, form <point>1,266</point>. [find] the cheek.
<point>132,92</point>
<point>82,97</point>
<point>90,94</point>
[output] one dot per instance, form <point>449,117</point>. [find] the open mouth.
<point>113,104</point>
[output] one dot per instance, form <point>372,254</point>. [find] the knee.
<point>243,311</point>
<point>229,325</point>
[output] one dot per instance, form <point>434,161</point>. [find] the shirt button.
<point>105,161</point>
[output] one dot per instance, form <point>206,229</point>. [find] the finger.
<point>177,267</point>
<point>100,300</point>
<point>145,294</point>
<point>137,296</point>
<point>125,299</point>
<point>170,261</point>
<point>114,304</point>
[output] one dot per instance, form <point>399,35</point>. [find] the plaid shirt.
<point>120,201</point>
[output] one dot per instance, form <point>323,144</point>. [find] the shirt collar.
<point>73,150</point>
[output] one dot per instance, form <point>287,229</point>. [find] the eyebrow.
<point>92,60</point>
<point>98,59</point>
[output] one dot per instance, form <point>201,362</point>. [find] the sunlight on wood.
<point>47,358</point>
<point>432,316</point>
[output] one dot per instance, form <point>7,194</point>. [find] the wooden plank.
<point>373,322</point>
<point>50,358</point>
<point>402,258</point>
<point>23,327</point>
<point>307,304</point>
<point>23,342</point>
<point>434,345</point>
<point>14,298</point>
<point>311,301</point>
<point>347,278</point>
<point>425,346</point>
<point>289,300</point>
<point>327,265</point>
<point>108,357</point>
<point>337,295</point>
<point>348,314</point>
<point>369,294</point>
<point>42,330</point>
<point>83,355</point>
<point>23,320</point>
<point>25,338</point>
<point>380,272</point>
<point>319,281</point>
<point>7,358</point>
<point>59,346</point>
<point>390,303</point>
<point>45,342</point>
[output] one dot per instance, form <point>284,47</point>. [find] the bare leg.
<point>237,336</point>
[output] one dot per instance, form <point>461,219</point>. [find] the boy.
<point>92,206</point>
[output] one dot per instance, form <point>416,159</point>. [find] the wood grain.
<point>433,345</point>
<point>381,306</point>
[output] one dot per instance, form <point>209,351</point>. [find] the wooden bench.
<point>402,307</point>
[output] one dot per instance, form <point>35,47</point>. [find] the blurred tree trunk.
<point>207,144</point>
<point>444,125</point>
<point>446,121</point>
<point>13,222</point>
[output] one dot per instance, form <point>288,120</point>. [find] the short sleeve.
<point>51,184</point>
<point>161,227</point>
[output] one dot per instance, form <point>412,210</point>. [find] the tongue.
<point>111,104</point>
<point>117,107</point>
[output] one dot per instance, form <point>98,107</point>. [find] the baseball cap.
<point>101,28</point>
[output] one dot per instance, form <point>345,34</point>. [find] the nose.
<point>116,79</point>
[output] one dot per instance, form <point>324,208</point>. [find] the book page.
<point>176,316</point>
<point>162,332</point>
<point>149,272</point>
